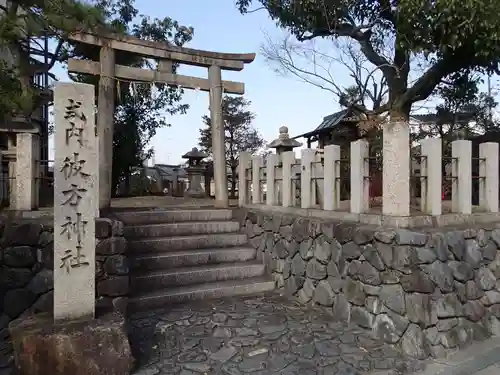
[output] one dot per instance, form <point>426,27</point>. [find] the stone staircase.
<point>179,255</point>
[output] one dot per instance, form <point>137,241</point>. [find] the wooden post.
<point>105,125</point>
<point>218,137</point>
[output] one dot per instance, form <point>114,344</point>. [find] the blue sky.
<point>276,100</point>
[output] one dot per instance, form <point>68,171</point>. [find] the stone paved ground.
<point>257,335</point>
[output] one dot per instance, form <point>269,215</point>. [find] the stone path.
<point>257,335</point>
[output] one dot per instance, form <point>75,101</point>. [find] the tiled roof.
<point>168,171</point>
<point>434,118</point>
<point>328,123</point>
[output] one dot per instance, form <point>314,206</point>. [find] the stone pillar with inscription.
<point>73,341</point>
<point>396,168</point>
<point>75,194</point>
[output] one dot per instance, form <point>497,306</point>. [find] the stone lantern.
<point>195,171</point>
<point>284,143</point>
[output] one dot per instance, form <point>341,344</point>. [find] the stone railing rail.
<point>316,179</point>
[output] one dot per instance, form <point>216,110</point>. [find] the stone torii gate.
<point>165,55</point>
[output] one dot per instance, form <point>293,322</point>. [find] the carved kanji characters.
<point>76,227</point>
<point>73,195</point>
<point>73,259</point>
<point>73,167</point>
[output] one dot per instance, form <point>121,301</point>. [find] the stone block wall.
<point>112,267</point>
<point>424,290</point>
<point>26,272</point>
<point>26,268</point>
<point>26,264</point>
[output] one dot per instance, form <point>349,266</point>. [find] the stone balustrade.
<point>273,179</point>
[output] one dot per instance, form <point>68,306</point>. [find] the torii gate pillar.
<point>165,54</point>
<point>218,137</point>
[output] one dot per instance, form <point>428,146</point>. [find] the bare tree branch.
<point>307,62</point>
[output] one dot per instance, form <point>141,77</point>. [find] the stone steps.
<point>195,275</point>
<point>181,294</point>
<point>172,216</point>
<point>181,255</point>
<point>181,229</point>
<point>177,243</point>
<point>190,258</point>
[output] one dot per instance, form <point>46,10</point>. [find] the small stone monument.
<point>284,143</point>
<point>195,172</point>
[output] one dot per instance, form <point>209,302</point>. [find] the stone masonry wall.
<point>425,290</point>
<point>26,272</point>
<point>112,267</point>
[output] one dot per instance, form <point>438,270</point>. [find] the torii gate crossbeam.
<point>108,72</point>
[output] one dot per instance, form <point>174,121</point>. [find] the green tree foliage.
<point>22,23</point>
<point>239,132</point>
<point>451,37</point>
<point>463,111</point>
<point>141,108</point>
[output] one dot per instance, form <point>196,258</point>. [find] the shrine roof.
<point>169,171</point>
<point>434,118</point>
<point>328,123</point>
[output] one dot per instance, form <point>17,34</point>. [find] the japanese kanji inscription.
<point>75,199</point>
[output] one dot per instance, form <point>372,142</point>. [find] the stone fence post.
<point>331,173</point>
<point>488,171</point>
<point>244,164</point>
<point>360,193</point>
<point>317,175</point>
<point>461,191</point>
<point>257,167</point>
<point>308,157</point>
<point>431,171</point>
<point>27,171</point>
<point>271,164</point>
<point>287,159</point>
<point>396,168</point>
<point>296,182</point>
